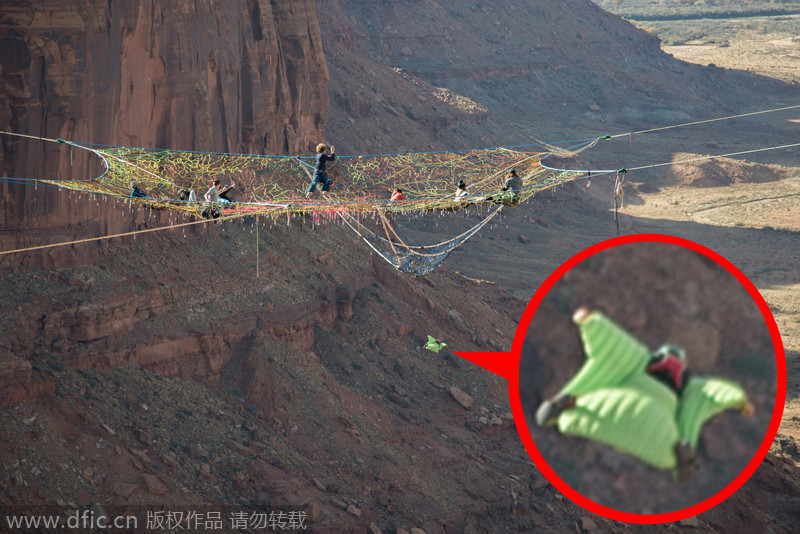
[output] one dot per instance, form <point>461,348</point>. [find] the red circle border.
<point>524,432</point>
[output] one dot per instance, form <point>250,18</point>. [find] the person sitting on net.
<point>513,182</point>
<point>212,198</point>
<point>461,191</point>
<point>397,195</point>
<point>136,191</point>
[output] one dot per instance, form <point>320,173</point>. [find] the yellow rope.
<point>30,136</point>
<point>124,234</point>
<point>386,227</point>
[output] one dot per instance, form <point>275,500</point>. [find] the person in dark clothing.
<point>320,175</point>
<point>136,192</point>
<point>224,191</point>
<point>461,191</point>
<point>187,195</point>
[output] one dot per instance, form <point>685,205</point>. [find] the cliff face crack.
<point>255,19</point>
<point>139,78</point>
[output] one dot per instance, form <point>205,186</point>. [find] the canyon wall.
<point>434,75</point>
<point>226,77</point>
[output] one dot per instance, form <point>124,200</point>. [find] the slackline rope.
<point>704,121</point>
<point>124,234</point>
<point>585,171</point>
<point>693,123</point>
<point>591,172</point>
<point>713,157</point>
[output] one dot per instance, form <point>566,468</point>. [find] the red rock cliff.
<point>233,76</point>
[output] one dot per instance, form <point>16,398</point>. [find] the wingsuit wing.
<point>617,403</point>
<point>612,355</point>
<point>637,418</point>
<point>434,345</point>
<point>702,399</point>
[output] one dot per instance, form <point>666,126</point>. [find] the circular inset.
<point>626,432</point>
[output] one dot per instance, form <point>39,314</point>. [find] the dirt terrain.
<point>769,46</point>
<point>187,369</point>
<point>759,37</point>
<point>755,225</point>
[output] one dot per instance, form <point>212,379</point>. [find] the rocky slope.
<point>313,370</point>
<point>299,384</point>
<point>409,76</point>
<point>187,369</point>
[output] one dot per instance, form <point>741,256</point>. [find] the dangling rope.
<point>619,195</point>
<point>256,246</point>
<point>386,227</point>
<point>416,260</point>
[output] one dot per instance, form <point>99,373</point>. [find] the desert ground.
<point>372,431</point>
<point>768,46</point>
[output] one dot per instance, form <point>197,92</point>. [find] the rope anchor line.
<point>275,185</point>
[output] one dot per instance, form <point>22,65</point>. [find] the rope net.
<point>277,184</point>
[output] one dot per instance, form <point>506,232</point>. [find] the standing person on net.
<point>320,176</point>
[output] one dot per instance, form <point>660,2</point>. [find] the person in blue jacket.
<point>136,191</point>
<point>320,176</point>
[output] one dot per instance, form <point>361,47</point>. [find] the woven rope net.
<point>276,185</point>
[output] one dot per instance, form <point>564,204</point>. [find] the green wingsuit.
<point>617,403</point>
<point>434,344</point>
